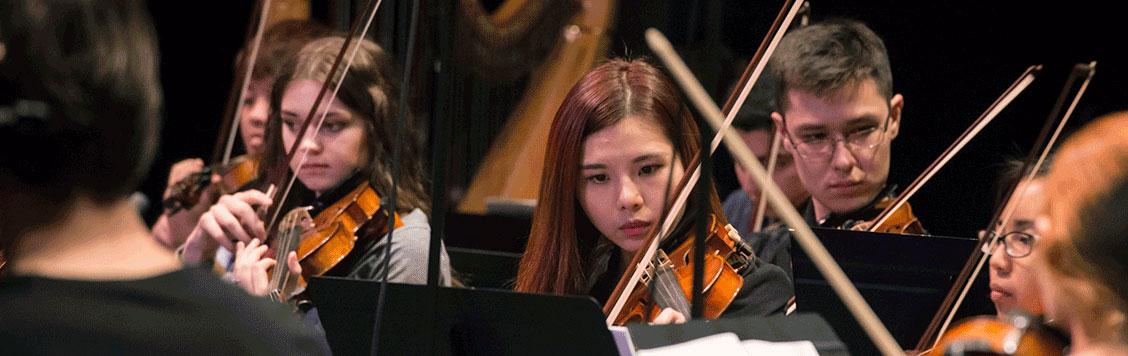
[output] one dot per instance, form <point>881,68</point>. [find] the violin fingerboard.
<point>665,289</point>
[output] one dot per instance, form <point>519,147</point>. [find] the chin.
<point>630,246</point>
<point>316,184</point>
<point>848,206</point>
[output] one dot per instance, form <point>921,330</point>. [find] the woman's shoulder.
<point>415,218</point>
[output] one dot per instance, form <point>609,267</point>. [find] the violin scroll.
<point>186,193</point>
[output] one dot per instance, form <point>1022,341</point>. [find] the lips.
<point>635,228</point>
<point>315,167</point>
<point>999,293</point>
<point>846,186</point>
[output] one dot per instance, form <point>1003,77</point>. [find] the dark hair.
<point>1011,171</point>
<point>756,114</point>
<point>81,78</point>
<point>824,57</point>
<point>558,256</point>
<point>371,90</point>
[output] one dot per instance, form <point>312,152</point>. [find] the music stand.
<point>904,278</point>
<point>468,321</point>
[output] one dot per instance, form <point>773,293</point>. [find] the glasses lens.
<point>1019,244</point>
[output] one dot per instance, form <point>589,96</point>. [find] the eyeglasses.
<point>820,146</point>
<point>1017,244</point>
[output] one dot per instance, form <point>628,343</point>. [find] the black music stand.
<point>904,278</point>
<point>468,321</point>
<point>797,327</point>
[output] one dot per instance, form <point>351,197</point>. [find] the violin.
<point>322,242</point>
<point>185,193</point>
<point>899,221</point>
<point>1017,334</point>
<point>670,277</point>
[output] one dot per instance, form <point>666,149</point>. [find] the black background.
<point>950,60</point>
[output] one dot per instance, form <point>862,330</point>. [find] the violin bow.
<point>1034,160</point>
<point>337,73</point>
<point>1012,92</point>
<point>751,74</point>
<point>761,204</point>
<point>230,128</point>
<point>819,255</point>
<point>409,54</point>
<point>777,139</point>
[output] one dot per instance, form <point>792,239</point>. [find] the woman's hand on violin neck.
<point>250,267</point>
<point>668,316</point>
<point>230,220</point>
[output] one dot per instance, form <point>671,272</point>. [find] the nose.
<point>310,144</point>
<point>842,158</point>
<point>630,198</point>
<point>258,112</point>
<point>1000,262</point>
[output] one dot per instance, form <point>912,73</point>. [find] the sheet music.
<point>623,341</point>
<point>794,348</point>
<point>726,344</point>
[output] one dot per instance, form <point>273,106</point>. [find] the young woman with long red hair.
<point>620,139</point>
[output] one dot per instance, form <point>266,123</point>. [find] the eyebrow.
<point>1023,224</point>
<point>854,121</point>
<point>641,158</point>
<point>332,114</point>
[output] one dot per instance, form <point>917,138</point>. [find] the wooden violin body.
<point>1017,334</point>
<point>725,255</point>
<point>330,237</point>
<point>900,221</point>
<point>334,234</point>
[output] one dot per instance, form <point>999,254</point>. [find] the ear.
<point>777,118</point>
<point>896,105</point>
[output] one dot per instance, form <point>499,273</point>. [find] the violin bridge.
<point>732,233</point>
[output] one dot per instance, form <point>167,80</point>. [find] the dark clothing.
<point>776,240</point>
<point>773,245</point>
<point>188,311</point>
<point>766,289</point>
<point>847,221</point>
